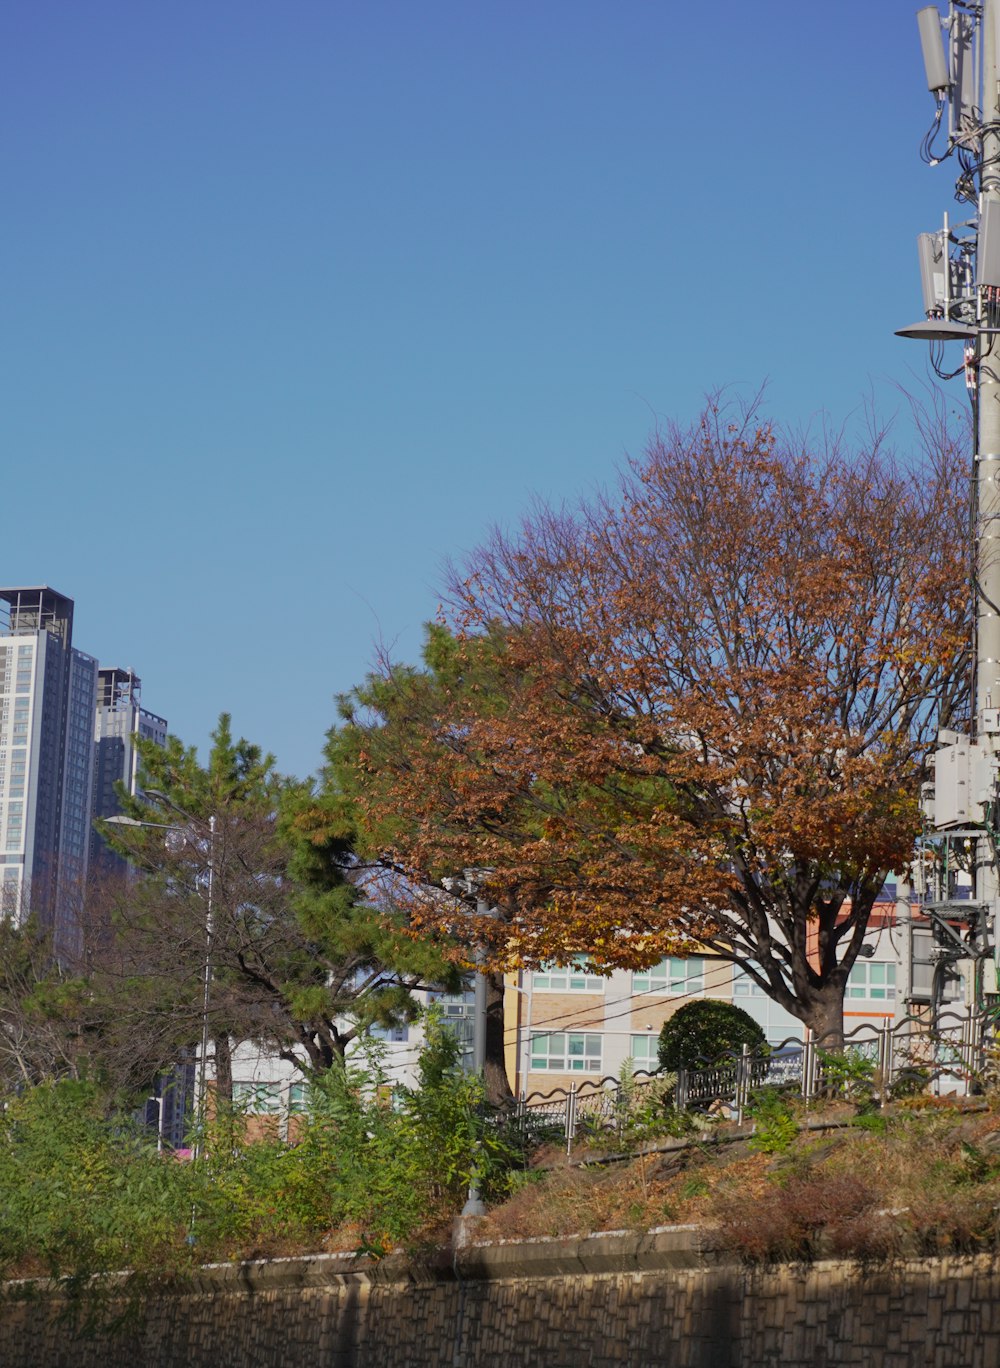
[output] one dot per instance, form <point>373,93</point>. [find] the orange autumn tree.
<point>694,714</point>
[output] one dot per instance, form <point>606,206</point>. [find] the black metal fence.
<point>958,1055</point>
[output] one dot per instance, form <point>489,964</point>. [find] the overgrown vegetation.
<point>373,1168</point>
<point>921,1182</point>
<point>875,1186</point>
<point>368,1169</point>
<point>775,1125</point>
<point>847,1074</point>
<point>646,1111</point>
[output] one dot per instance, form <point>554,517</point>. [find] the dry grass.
<point>573,1201</point>
<point>929,1183</point>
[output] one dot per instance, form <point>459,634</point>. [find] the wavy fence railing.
<point>958,1056</point>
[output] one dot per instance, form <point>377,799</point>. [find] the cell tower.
<point>960,278</point>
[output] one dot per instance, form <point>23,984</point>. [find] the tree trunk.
<point>223,1070</point>
<point>498,1090</point>
<point>824,1014</point>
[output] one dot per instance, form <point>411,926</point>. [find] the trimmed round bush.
<point>706,1029</point>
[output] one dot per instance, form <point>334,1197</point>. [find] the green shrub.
<point>775,1127</point>
<point>850,1074</point>
<point>83,1193</point>
<point>911,1081</point>
<point>876,1122</point>
<point>706,1029</point>
<point>645,1110</point>
<point>384,1167</point>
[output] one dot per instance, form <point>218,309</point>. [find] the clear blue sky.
<point>300,297</point>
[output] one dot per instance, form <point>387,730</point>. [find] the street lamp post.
<point>121,820</point>
<point>206,995</point>
<point>158,1099</point>
<point>474,1206</point>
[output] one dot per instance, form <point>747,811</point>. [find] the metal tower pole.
<point>987,465</point>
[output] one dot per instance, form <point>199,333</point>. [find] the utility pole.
<point>987,473</point>
<point>960,274</point>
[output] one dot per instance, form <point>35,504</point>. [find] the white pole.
<point>199,1147</point>
<point>526,1041</point>
<point>987,467</point>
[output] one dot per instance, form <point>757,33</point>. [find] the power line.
<point>515,1032</point>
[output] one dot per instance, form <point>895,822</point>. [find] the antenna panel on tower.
<point>965,96</point>
<point>929,23</point>
<point>933,265</point>
<point>988,247</point>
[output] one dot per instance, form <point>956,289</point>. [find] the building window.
<point>257,1098</point>
<point>454,1004</point>
<point>744,986</point>
<point>298,1097</point>
<point>642,1048</point>
<point>872,982</point>
<point>571,979</point>
<point>566,1052</point>
<point>673,977</point>
<point>457,1011</point>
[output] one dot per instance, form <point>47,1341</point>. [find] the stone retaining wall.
<point>606,1301</point>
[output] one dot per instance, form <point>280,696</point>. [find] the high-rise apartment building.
<point>120,717</point>
<point>47,699</point>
